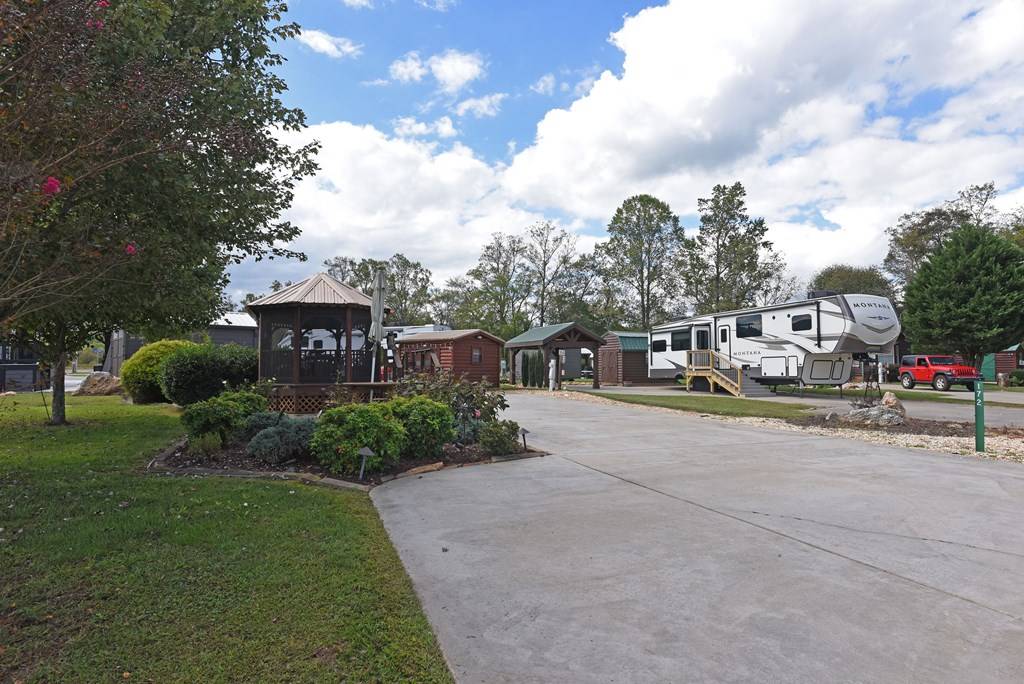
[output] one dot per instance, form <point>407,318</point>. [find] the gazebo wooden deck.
<point>314,335</point>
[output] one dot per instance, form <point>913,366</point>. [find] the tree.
<point>454,304</point>
<point>644,238</point>
<point>549,251</point>
<point>918,234</point>
<point>589,295</point>
<point>160,227</point>
<point>502,287</point>
<point>729,262</point>
<point>846,279</point>
<point>407,284</point>
<point>780,286</point>
<point>968,296</point>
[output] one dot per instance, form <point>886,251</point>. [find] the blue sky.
<point>445,121</point>
<point>519,42</point>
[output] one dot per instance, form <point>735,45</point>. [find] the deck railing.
<point>718,368</point>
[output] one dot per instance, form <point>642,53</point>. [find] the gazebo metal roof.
<point>321,289</point>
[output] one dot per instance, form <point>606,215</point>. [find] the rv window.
<point>658,345</point>
<point>723,335</point>
<point>681,340</point>
<point>748,326</point>
<point>801,322</point>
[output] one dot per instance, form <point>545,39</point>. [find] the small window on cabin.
<point>475,356</point>
<point>748,326</point>
<point>801,322</point>
<point>658,345</point>
<point>681,340</point>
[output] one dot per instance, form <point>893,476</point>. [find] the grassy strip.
<point>105,570</point>
<point>720,406</point>
<point>903,395</point>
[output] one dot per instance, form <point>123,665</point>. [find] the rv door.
<point>725,341</point>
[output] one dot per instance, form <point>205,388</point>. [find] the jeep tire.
<point>940,382</point>
<point>907,380</point>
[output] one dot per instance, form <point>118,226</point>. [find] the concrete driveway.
<point>654,546</point>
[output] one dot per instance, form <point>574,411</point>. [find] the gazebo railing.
<point>327,366</point>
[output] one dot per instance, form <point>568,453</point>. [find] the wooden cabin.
<point>624,358</point>
<point>473,354</point>
<point>313,336</point>
<point>1005,362</point>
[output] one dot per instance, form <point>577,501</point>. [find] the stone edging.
<point>158,464</point>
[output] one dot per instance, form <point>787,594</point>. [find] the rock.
<point>99,384</point>
<point>892,402</point>
<point>879,416</point>
<point>425,469</point>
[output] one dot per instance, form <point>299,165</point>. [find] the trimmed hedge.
<point>283,442</point>
<point>140,374</point>
<point>500,437</point>
<point>201,371</point>
<point>222,415</point>
<point>428,424</point>
<point>341,432</point>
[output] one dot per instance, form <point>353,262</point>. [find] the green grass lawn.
<point>721,406</point>
<point>105,570</point>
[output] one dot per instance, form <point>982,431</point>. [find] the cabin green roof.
<point>631,341</point>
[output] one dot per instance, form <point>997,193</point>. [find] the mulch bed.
<point>912,426</point>
<point>233,459</point>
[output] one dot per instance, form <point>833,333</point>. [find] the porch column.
<point>594,354</point>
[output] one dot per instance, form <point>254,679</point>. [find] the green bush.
<point>239,365</point>
<point>472,403</point>
<point>500,437</point>
<point>1017,378</point>
<point>140,374</point>
<point>428,424</point>
<point>191,374</point>
<point>261,421</point>
<point>223,415</point>
<point>341,432</point>
<point>284,442</point>
<point>201,371</point>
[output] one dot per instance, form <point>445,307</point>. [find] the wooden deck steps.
<point>721,371</point>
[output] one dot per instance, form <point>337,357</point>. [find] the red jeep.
<point>939,371</point>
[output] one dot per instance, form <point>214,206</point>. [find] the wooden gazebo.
<point>548,339</point>
<point>313,335</point>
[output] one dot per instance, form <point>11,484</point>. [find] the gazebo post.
<point>296,344</point>
<point>594,353</point>
<point>348,344</point>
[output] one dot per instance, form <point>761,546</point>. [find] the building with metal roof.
<point>624,358</point>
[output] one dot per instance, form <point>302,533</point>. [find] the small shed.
<point>314,335</point>
<point>234,327</point>
<point>473,354</point>
<point>1006,361</point>
<point>624,358</point>
<point>549,340</point>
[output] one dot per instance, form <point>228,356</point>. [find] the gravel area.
<point>1003,447</point>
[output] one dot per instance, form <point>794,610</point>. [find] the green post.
<point>979,416</point>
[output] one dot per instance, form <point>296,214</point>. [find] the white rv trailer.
<point>812,341</point>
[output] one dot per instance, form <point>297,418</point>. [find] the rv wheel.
<point>907,380</point>
<point>940,382</point>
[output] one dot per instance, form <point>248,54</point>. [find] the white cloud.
<point>410,127</point>
<point>376,195</point>
<point>805,103</point>
<point>545,85</point>
<point>407,69</point>
<point>437,5</point>
<point>326,44</point>
<point>375,83</point>
<point>796,100</point>
<point>358,4</point>
<point>454,70</point>
<point>480,107</point>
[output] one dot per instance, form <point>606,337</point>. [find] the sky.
<point>444,121</point>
